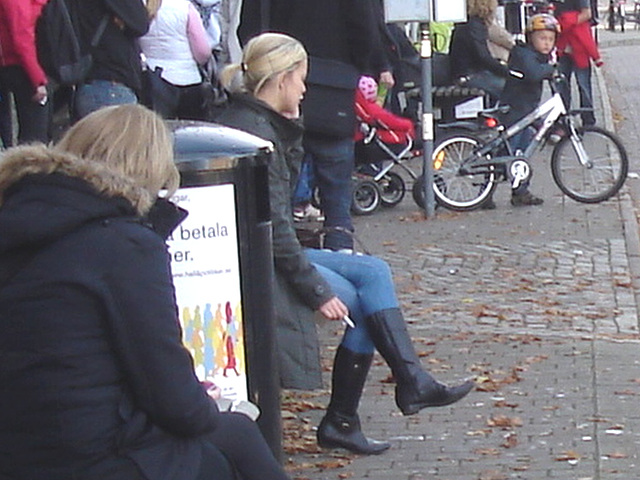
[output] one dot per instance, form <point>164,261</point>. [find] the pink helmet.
<point>368,87</point>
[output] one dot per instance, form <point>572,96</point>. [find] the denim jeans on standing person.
<point>583,78</point>
<point>363,283</point>
<point>333,164</point>
<point>101,93</point>
<point>303,192</point>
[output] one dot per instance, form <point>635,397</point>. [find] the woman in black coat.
<point>471,62</point>
<point>94,380</point>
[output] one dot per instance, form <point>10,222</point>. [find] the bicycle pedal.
<point>520,171</point>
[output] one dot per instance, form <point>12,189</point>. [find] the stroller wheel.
<point>392,189</point>
<point>366,197</point>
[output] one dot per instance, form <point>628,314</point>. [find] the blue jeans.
<point>583,78</point>
<point>101,93</point>
<point>363,283</point>
<point>306,181</point>
<point>333,164</point>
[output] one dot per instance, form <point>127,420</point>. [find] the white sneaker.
<point>307,213</point>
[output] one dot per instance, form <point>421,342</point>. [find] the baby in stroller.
<point>383,140</point>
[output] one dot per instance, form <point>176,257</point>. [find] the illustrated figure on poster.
<point>187,326</point>
<point>220,328</point>
<point>196,340</point>
<point>209,335</point>
<point>239,337</point>
<point>230,340</point>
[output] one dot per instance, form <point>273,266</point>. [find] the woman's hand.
<point>40,96</point>
<point>386,78</point>
<point>334,309</point>
<point>212,389</point>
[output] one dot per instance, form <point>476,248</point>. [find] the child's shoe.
<point>525,199</point>
<point>556,135</point>
<point>307,213</point>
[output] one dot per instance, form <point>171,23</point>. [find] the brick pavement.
<point>540,305</point>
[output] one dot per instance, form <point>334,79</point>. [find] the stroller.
<point>375,182</point>
<point>383,141</point>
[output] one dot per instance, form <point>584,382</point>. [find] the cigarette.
<point>348,322</point>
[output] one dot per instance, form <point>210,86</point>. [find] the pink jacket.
<point>391,128</point>
<point>17,37</point>
<point>577,40</point>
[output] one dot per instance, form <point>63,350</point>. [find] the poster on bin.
<point>206,275</point>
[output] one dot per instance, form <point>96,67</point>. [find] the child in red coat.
<point>391,128</point>
<point>577,40</point>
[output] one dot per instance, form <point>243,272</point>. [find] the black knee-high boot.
<point>415,388</point>
<point>340,426</point>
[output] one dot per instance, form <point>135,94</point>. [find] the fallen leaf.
<point>568,455</point>
<point>510,440</point>
<point>503,421</point>
<point>487,451</point>
<point>505,404</point>
<point>616,455</point>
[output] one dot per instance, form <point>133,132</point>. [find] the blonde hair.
<point>485,9</point>
<point>263,58</point>
<point>152,7</point>
<point>130,140</point>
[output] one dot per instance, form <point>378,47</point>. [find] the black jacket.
<point>340,30</point>
<point>469,52</point>
<point>117,56</point>
<point>523,94</point>
<point>94,379</point>
<point>299,284</point>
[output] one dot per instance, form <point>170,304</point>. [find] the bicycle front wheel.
<point>454,190</point>
<point>590,167</point>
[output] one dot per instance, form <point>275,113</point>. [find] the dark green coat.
<point>300,289</point>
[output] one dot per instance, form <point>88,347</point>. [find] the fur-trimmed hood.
<point>33,160</point>
<point>45,194</point>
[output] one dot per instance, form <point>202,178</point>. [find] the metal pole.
<point>427,120</point>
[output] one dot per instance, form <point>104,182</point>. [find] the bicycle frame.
<point>549,112</point>
<point>394,158</point>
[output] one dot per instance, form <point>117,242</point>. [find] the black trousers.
<point>242,443</point>
<point>173,101</point>
<point>33,118</point>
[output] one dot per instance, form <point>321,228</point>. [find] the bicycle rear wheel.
<point>452,189</point>
<point>604,172</point>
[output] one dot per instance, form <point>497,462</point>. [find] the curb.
<point>627,210</point>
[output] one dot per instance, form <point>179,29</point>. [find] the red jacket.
<point>391,128</point>
<point>18,38</point>
<point>577,40</point>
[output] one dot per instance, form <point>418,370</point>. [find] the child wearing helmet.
<point>529,64</point>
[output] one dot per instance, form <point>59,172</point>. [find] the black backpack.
<point>61,53</point>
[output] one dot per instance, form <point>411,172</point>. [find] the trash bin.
<point>223,266</point>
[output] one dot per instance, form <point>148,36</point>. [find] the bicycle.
<point>589,164</point>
